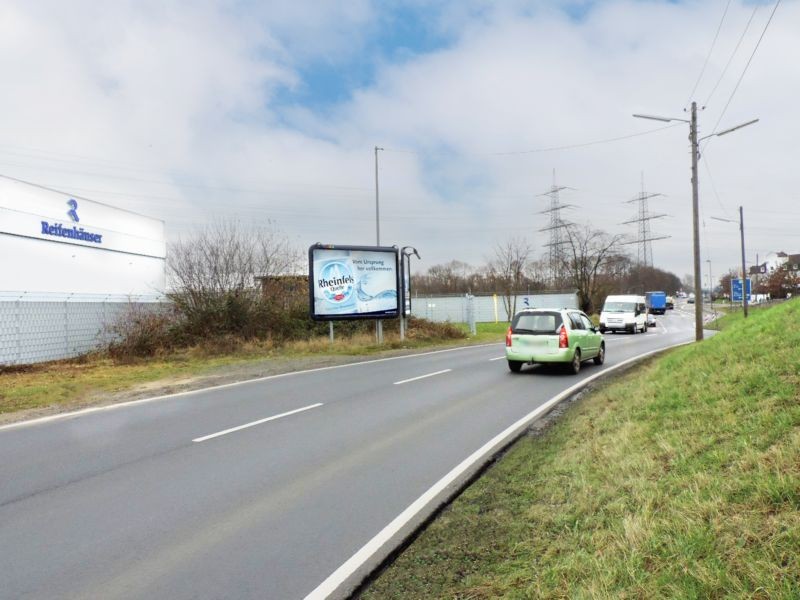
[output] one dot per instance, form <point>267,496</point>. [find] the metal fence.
<point>36,327</point>
<point>488,308</point>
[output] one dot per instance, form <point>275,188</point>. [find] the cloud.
<point>181,111</point>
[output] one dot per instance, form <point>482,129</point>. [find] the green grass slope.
<point>680,480</point>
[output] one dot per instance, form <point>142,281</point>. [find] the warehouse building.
<point>70,268</point>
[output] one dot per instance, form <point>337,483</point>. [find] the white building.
<point>51,241</point>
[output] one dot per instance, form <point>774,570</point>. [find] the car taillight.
<point>508,338</point>
<point>563,340</point>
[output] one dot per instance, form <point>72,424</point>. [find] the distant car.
<point>670,303</point>
<point>651,320</point>
<point>541,335</point>
<point>690,299</point>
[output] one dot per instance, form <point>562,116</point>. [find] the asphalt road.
<point>139,501</point>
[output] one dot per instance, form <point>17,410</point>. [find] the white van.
<point>624,313</point>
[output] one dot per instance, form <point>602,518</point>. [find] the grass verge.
<point>96,379</point>
<point>680,480</point>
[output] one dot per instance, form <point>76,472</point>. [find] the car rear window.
<point>536,323</point>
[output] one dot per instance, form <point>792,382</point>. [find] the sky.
<point>269,113</point>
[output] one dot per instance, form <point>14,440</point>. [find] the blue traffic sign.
<point>736,290</point>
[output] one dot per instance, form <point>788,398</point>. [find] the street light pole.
<point>698,284</point>
<point>744,271</point>
<point>405,268</point>
<point>698,288</point>
<point>744,264</point>
<point>378,323</point>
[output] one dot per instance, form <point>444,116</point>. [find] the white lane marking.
<point>254,423</point>
<point>349,567</point>
<point>422,377</point>
<point>94,409</point>
<point>498,358</point>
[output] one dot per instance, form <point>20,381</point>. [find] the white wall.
<point>129,258</point>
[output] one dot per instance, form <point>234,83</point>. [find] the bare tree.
<point>508,267</point>
<point>227,256</point>
<point>213,273</point>
<point>586,252</point>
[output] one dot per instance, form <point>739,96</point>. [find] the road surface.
<point>260,489</point>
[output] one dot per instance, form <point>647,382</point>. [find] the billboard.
<point>353,282</point>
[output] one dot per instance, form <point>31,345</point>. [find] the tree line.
<point>589,261</point>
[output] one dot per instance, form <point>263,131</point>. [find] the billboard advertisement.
<point>353,282</point>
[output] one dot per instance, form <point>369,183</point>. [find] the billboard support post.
<point>330,330</point>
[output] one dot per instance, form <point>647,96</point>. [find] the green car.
<point>542,335</point>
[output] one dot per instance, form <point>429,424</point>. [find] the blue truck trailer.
<point>656,302</point>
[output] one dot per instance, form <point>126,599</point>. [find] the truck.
<point>656,302</point>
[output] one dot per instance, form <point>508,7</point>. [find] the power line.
<point>538,150</point>
<point>708,56</point>
<point>749,60</point>
<point>733,54</point>
<point>713,186</point>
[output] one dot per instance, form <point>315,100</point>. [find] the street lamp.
<point>744,268</point>
<point>378,323</point>
<point>405,266</point>
<point>698,284</point>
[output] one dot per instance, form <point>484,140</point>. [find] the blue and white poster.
<point>353,282</point>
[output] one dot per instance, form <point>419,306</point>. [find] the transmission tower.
<point>644,238</point>
<point>555,245</point>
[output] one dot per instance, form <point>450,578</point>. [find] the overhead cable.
<point>708,56</point>
<point>749,60</point>
<point>733,54</point>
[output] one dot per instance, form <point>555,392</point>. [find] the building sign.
<point>34,212</point>
<point>353,282</point>
<point>74,233</point>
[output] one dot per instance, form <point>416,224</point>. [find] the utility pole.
<point>644,241</point>
<point>744,271</point>
<point>744,263</point>
<point>698,283</point>
<point>378,323</point>
<point>698,292</point>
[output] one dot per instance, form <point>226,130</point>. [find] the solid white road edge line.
<point>340,575</point>
<point>422,377</point>
<point>94,409</point>
<point>254,423</point>
<point>498,358</point>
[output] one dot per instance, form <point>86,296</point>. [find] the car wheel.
<point>575,365</point>
<point>515,366</point>
<point>601,355</point>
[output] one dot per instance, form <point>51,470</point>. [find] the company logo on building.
<point>337,282</point>
<point>72,213</point>
<point>72,233</point>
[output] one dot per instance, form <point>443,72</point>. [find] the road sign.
<point>736,290</point>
